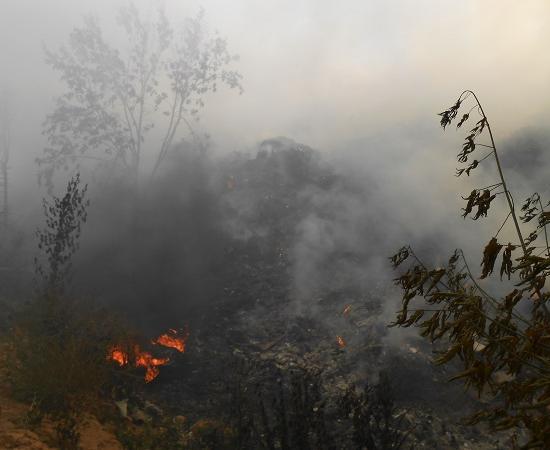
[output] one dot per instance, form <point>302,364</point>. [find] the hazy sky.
<point>320,71</point>
<point>362,80</point>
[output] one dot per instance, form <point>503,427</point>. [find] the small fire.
<point>172,340</point>
<point>118,355</point>
<point>347,311</point>
<point>341,342</point>
<point>144,359</point>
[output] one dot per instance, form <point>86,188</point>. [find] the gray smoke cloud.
<point>361,83</point>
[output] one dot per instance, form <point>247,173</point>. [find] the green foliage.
<point>58,240</point>
<point>57,354</point>
<point>503,343</point>
<point>57,346</point>
<point>115,97</point>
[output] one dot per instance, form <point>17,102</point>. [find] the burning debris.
<point>341,342</point>
<point>171,339</point>
<point>146,360</point>
<point>118,355</point>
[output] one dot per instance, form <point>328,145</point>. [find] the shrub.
<point>57,346</point>
<point>57,354</point>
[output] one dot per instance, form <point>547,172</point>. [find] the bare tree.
<point>115,97</point>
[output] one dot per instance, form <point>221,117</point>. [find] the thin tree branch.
<point>544,227</point>
<point>508,196</point>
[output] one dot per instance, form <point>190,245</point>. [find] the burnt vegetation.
<point>290,409</point>
<point>500,341</point>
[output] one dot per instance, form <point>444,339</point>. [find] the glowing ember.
<point>341,342</point>
<point>118,355</point>
<point>346,311</point>
<point>172,340</point>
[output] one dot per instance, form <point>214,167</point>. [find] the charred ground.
<point>262,259</point>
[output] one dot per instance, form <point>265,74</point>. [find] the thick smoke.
<point>281,223</point>
<point>362,86</point>
<point>526,159</point>
<point>152,252</point>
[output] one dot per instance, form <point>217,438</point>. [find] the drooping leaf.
<point>468,169</point>
<point>468,147</point>
<point>530,208</point>
<point>400,256</point>
<point>483,202</point>
<point>471,202</point>
<point>464,119</point>
<point>544,219</point>
<point>454,258</point>
<point>480,126</point>
<point>449,114</point>
<point>506,266</point>
<point>531,238</point>
<point>490,253</point>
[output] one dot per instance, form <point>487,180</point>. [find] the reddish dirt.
<point>17,433</point>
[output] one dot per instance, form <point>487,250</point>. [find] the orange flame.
<point>172,340</point>
<point>118,355</point>
<point>341,342</point>
<point>146,359</point>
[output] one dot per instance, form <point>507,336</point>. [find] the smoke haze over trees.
<point>359,86</point>
<point>250,166</point>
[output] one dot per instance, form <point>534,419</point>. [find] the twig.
<point>503,223</point>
